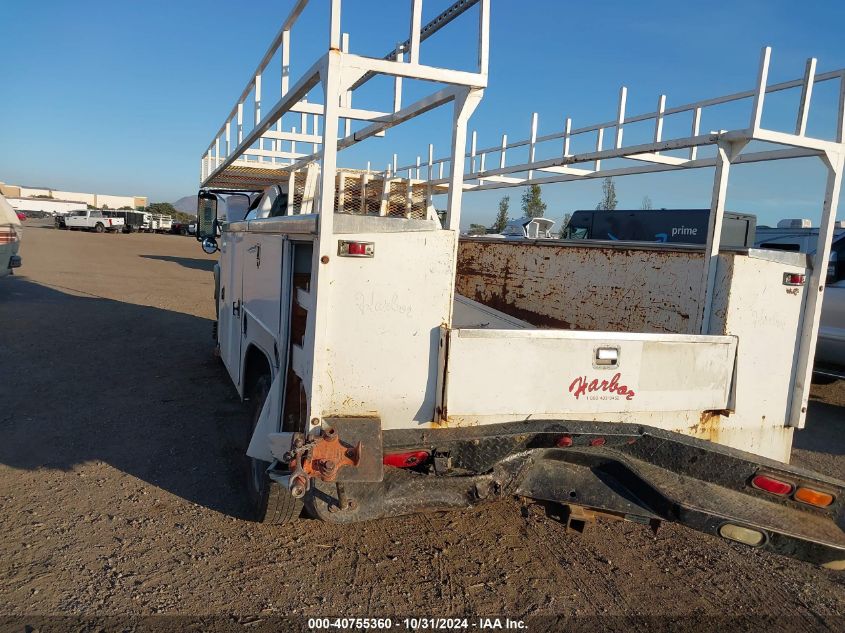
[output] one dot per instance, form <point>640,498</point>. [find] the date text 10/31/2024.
<point>416,624</point>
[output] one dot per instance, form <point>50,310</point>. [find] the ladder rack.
<point>269,153</point>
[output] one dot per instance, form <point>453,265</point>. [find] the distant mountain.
<point>188,204</point>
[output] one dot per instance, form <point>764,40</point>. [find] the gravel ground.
<point>120,486</point>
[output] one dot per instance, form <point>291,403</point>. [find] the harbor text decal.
<point>600,389</point>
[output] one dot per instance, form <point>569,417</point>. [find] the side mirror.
<point>209,245</point>
<point>207,218</point>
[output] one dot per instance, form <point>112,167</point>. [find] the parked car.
<point>830,350</point>
<point>180,228</point>
<point>89,221</point>
<point>10,238</point>
<point>797,235</point>
<point>21,215</point>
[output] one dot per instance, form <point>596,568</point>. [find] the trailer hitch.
<point>321,457</point>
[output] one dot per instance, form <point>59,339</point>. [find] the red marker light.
<point>406,460</point>
<point>564,441</point>
<point>346,248</point>
<point>774,486</point>
<point>599,441</point>
<point>794,279</point>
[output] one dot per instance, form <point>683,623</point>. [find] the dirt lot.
<point>119,482</point>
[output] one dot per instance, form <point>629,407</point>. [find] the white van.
<point>10,238</point>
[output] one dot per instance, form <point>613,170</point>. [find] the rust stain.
<point>709,425</point>
<point>575,287</point>
<point>451,422</point>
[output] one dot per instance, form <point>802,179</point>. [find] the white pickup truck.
<point>90,221</point>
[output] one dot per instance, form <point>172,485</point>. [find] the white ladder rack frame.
<point>730,146</point>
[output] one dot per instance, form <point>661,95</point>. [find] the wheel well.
<point>255,366</point>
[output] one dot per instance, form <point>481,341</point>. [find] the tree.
<point>532,204</point>
<point>477,229</point>
<point>564,223</point>
<point>608,195</point>
<point>646,205</point>
<point>502,217</point>
<point>162,208</point>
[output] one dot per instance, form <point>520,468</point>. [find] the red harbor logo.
<point>596,389</point>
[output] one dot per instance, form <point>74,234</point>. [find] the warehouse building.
<point>56,201</point>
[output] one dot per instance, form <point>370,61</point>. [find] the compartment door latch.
<point>606,357</point>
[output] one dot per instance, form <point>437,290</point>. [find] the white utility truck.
<point>162,223</point>
<point>90,221</point>
<point>392,367</point>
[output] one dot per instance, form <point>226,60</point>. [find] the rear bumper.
<point>631,471</point>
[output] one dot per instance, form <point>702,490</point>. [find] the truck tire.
<point>99,228</point>
<point>270,503</point>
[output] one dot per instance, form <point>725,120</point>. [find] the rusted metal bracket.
<point>356,457</point>
<point>321,457</point>
<point>327,456</point>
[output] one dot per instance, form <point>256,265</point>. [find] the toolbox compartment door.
<point>541,373</point>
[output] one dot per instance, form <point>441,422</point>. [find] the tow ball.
<point>321,457</point>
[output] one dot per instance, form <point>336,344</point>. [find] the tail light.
<point>774,486</point>
<point>406,460</point>
<point>8,235</point>
<point>564,441</point>
<point>813,497</point>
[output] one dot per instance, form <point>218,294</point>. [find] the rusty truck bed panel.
<point>550,284</point>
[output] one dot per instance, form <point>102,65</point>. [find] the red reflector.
<point>356,248</point>
<point>794,279</point>
<point>564,441</point>
<point>599,441</point>
<point>774,486</point>
<point>406,460</point>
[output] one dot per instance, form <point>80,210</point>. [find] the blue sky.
<point>122,97</point>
